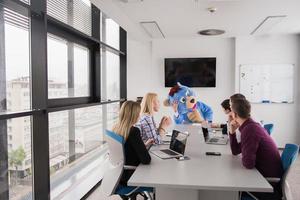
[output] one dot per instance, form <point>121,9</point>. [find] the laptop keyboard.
<point>169,152</point>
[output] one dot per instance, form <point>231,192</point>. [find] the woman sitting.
<point>150,104</point>
<point>134,147</point>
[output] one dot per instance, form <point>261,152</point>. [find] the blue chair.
<point>288,157</point>
<point>269,128</point>
<point>110,182</point>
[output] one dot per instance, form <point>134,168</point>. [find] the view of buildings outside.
<point>88,129</point>
<point>80,128</point>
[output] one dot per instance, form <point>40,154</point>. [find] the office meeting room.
<point>149,99</point>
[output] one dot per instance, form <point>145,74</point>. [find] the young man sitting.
<point>257,147</point>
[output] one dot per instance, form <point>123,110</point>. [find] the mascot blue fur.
<point>187,105</point>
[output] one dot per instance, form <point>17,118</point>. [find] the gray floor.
<point>293,179</point>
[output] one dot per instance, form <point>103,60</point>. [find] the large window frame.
<point>41,105</point>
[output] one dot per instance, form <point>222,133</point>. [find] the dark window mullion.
<point>95,72</point>
<point>123,64</point>
<point>40,127</point>
<point>4,193</point>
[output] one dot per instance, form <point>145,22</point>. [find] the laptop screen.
<point>205,133</point>
<point>178,142</point>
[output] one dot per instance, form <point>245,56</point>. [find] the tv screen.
<point>192,72</point>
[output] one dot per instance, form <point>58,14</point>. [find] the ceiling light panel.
<point>267,24</point>
<point>153,29</point>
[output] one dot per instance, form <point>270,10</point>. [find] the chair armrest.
<point>273,179</point>
<point>129,167</point>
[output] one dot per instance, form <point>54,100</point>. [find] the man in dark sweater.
<point>257,147</point>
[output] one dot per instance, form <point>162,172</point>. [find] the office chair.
<point>110,182</point>
<point>269,128</point>
<point>288,157</point>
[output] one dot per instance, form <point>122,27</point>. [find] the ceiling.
<point>184,18</point>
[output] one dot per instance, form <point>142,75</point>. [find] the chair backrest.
<point>269,128</point>
<point>288,157</point>
<point>114,172</point>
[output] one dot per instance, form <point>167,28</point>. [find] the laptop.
<point>223,140</point>
<point>176,148</point>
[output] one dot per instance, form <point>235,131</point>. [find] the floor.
<point>293,179</point>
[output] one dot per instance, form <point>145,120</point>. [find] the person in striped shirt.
<point>148,128</point>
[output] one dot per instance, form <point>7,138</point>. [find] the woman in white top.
<point>150,105</point>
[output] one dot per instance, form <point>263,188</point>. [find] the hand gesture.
<point>175,106</point>
<point>149,142</point>
<point>195,116</point>
<point>233,126</point>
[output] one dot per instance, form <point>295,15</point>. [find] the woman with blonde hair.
<point>134,147</point>
<point>150,104</point>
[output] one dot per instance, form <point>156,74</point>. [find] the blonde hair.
<point>147,103</point>
<point>129,115</point>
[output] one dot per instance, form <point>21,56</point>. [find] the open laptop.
<point>223,140</point>
<point>177,146</point>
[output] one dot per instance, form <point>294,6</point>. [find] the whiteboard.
<point>271,83</point>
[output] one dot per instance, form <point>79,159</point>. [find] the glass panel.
<point>68,69</point>
<point>110,76</point>
<point>15,80</point>
<point>76,147</point>
<point>112,115</point>
<point>81,71</point>
<point>110,31</point>
<point>57,67</point>
<point>18,164</point>
<point>76,13</point>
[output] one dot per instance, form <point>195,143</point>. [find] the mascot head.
<point>184,96</point>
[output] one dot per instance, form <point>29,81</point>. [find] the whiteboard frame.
<point>294,80</point>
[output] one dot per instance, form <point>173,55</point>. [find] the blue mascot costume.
<point>188,106</point>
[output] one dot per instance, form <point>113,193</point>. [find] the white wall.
<point>223,49</point>
<point>280,49</point>
<point>146,68</point>
<point>138,68</point>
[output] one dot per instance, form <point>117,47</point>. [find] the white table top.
<point>204,172</point>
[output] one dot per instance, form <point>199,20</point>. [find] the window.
<point>76,141</point>
<point>81,71</point>
<point>49,74</point>
<point>15,68</point>
<point>110,76</point>
<point>110,33</point>
<point>19,159</point>
<point>68,69</point>
<point>76,13</point>
<point>112,115</point>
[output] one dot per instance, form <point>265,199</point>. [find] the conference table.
<point>201,177</point>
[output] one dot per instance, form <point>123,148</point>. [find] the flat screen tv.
<point>192,72</point>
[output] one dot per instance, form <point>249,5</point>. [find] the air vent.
<point>267,24</point>
<point>153,29</point>
<point>211,32</point>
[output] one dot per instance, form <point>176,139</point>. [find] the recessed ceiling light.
<point>211,32</point>
<point>212,9</point>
